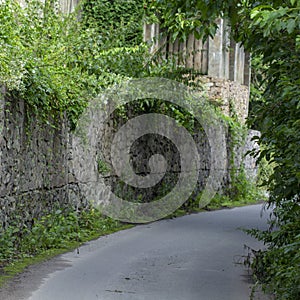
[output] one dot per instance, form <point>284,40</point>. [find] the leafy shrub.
<point>56,63</point>
<point>278,268</point>
<point>119,20</point>
<point>54,230</point>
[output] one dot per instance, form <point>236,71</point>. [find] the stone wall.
<point>42,167</point>
<point>248,162</point>
<point>230,96</point>
<point>232,99</point>
<point>33,169</point>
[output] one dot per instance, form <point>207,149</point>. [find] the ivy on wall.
<point>57,62</point>
<point>120,20</point>
<point>37,59</point>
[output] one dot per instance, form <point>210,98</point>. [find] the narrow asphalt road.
<point>196,257</point>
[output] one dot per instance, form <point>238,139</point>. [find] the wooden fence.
<point>218,57</point>
<point>68,6</point>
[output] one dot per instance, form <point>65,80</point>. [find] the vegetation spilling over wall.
<point>119,22</point>
<point>51,64</point>
<point>42,60</point>
<point>56,63</point>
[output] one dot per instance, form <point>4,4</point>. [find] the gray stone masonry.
<point>42,167</point>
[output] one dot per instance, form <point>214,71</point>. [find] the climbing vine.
<point>122,20</point>
<point>56,63</point>
<point>38,61</point>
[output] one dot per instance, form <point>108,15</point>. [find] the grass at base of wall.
<point>218,202</point>
<point>67,232</point>
<point>14,268</point>
<point>221,202</point>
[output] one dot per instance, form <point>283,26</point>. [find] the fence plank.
<point>182,54</point>
<point>232,49</point>
<point>218,57</point>
<point>170,49</point>
<point>204,57</point>
<point>247,69</point>
<point>197,54</point>
<point>163,46</point>
<point>190,52</point>
<point>175,51</point>
<point>147,32</point>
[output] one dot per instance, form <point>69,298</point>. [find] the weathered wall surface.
<point>230,96</point>
<point>248,162</point>
<point>33,169</point>
<point>42,167</point>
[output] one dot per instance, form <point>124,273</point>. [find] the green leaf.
<point>291,26</point>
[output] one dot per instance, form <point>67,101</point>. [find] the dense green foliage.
<point>277,28</point>
<point>55,230</point>
<point>119,21</point>
<point>197,16</point>
<point>57,63</point>
<point>39,61</point>
<point>271,31</point>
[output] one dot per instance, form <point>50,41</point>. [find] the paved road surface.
<point>196,257</point>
